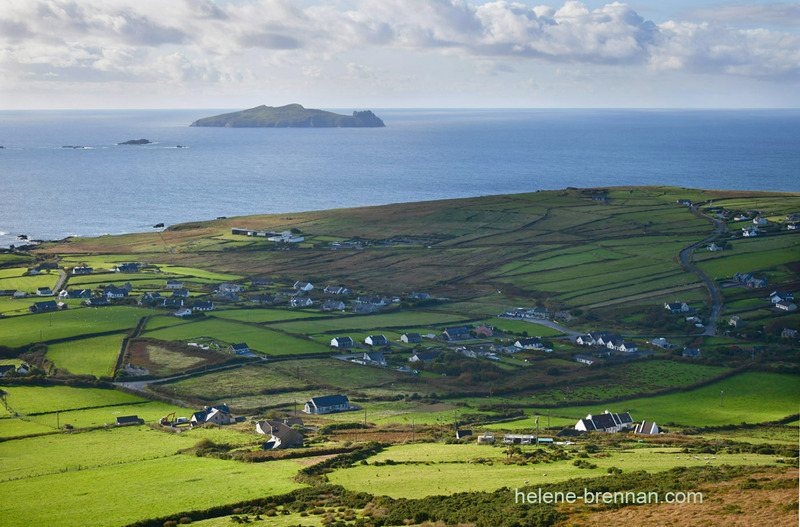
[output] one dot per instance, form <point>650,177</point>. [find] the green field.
<point>262,315</point>
<point>152,488</point>
<point>18,331</point>
<point>29,283</point>
<point>93,356</point>
<point>437,469</point>
<point>37,399</point>
<point>369,322</point>
<point>228,332</point>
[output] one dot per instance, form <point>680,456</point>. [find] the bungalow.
<point>677,307</point>
<point>375,357</point>
<point>230,287</point>
<point>78,293</point>
<point>128,268</point>
<point>44,307</point>
<point>327,404</point>
<point>97,301</point>
<point>425,356</point>
<point>333,305</point>
<point>586,359</point>
<point>260,281</point>
<point>759,221</point>
<point>594,338</point>
<point>264,299</point>
<point>342,342</point>
<point>605,422</point>
<point>182,293</point>
<point>218,415</point>
<point>486,438</point>
<point>662,343</point>
<point>457,333</point>
<point>129,420</point>
<point>281,435</point>
<point>239,349</point>
<point>44,291</point>
<point>172,302</point>
<point>684,202</point>
<point>714,247</point>
<point>736,322</point>
<point>461,434</point>
<point>203,306</point>
<point>785,305</point>
<point>20,294</point>
<point>300,302</point>
<point>227,295</point>
<point>529,343</point>
<point>82,270</point>
<point>519,439</point>
<point>691,353</point>
<point>484,331</point>
<point>174,284</point>
<point>112,291</point>
<point>182,312</point>
<point>750,231</point>
<point>303,286</point>
<point>411,338</point>
<point>374,300</point>
<point>376,340</point>
<point>646,428</point>
<point>364,309</point>
<point>335,290</point>
<point>777,296</point>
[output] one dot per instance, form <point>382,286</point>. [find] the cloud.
<point>215,41</point>
<point>782,14</point>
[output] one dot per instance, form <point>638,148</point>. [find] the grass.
<point>37,399</point>
<point>19,331</point>
<point>228,332</point>
<point>151,488</point>
<point>30,283</point>
<point>369,322</point>
<point>261,316</point>
<point>443,477</point>
<point>753,397</point>
<point>93,356</point>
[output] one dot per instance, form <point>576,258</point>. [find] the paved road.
<point>62,277</point>
<point>713,290</point>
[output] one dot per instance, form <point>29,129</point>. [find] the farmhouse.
<point>44,291</point>
<point>605,422</point>
<point>303,286</point>
<point>264,299</point>
<point>461,434</point>
<point>677,307</point>
<point>646,428</point>
<point>411,338</point>
<point>97,301</point>
<point>333,305</point>
<point>691,353</point>
<point>239,349</point>
<point>420,296</point>
<point>44,307</point>
<point>281,435</point>
<point>82,270</point>
<point>585,359</point>
<point>335,290</point>
<point>227,295</point>
<point>529,343</point>
<point>714,247</point>
<point>484,331</point>
<point>684,202</point>
<point>174,284</point>
<point>77,293</point>
<point>128,268</point>
<point>364,309</point>
<point>300,302</point>
<point>230,287</point>
<point>375,357</point>
<point>260,281</point>
<point>182,312</point>
<point>594,338</point>
<point>172,302</point>
<point>785,305</point>
<point>327,404</point>
<point>218,415</point>
<point>777,296</point>
<point>519,439</point>
<point>789,333</point>
<point>736,322</point>
<point>457,333</point>
<point>342,342</point>
<point>203,306</point>
<point>376,340</point>
<point>427,356</point>
<point>662,343</point>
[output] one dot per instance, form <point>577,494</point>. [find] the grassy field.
<point>748,398</point>
<point>18,331</point>
<point>262,315</point>
<point>93,356</point>
<point>438,470</point>
<point>36,399</point>
<point>152,488</point>
<point>369,322</point>
<point>29,283</point>
<point>227,332</point>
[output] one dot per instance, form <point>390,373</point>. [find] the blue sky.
<point>398,53</point>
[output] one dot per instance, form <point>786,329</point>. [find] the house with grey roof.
<point>605,422</point>
<point>327,404</point>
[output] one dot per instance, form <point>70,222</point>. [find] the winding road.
<point>686,261</point>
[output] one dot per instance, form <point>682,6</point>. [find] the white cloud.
<point>208,41</point>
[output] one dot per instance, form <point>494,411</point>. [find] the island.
<point>136,142</point>
<point>291,116</point>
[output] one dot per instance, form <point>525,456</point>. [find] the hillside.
<point>290,116</point>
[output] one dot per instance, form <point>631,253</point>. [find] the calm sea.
<point>50,192</point>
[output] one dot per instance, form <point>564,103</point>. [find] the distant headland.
<point>290,116</point>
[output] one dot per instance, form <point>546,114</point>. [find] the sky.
<point>75,54</point>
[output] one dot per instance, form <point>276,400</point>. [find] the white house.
<point>646,428</point>
<point>303,286</point>
<point>786,305</point>
<point>342,342</point>
<point>376,340</point>
<point>677,307</point>
<point>605,422</point>
<point>327,404</point>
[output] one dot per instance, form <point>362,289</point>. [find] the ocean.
<point>50,192</point>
